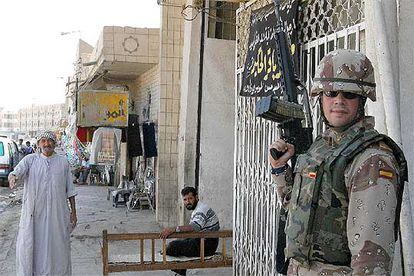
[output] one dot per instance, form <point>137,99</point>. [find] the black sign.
<point>262,75</point>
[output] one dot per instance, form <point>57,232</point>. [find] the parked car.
<point>9,157</point>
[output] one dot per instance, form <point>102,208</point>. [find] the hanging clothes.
<point>150,145</point>
<point>134,136</point>
<point>82,133</point>
<point>106,146</point>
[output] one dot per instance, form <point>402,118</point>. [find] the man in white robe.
<point>43,241</point>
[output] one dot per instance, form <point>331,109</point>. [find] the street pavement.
<point>95,213</point>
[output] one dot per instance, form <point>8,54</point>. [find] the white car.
<point>9,157</point>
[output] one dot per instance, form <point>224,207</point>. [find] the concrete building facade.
<point>8,120</point>
<point>123,59</point>
<point>206,135</point>
<point>151,76</point>
<point>36,118</point>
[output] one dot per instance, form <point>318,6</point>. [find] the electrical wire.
<point>207,11</point>
<point>190,7</point>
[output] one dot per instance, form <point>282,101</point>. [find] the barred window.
<point>222,20</point>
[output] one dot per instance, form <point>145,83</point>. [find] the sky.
<point>36,59</point>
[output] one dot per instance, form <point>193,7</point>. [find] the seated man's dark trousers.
<point>191,248</point>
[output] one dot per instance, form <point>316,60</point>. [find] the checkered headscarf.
<point>47,134</point>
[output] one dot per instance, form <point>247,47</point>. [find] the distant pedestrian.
<point>28,149</point>
<point>84,171</point>
<point>43,241</point>
<point>35,148</point>
<point>21,148</point>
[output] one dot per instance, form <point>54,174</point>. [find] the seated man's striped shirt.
<point>204,219</point>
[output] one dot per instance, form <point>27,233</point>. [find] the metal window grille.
<point>325,25</point>
<point>222,20</point>
<point>255,199</point>
<point>321,18</point>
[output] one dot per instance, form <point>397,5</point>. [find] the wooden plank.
<point>148,236</point>
<point>223,250</point>
<point>142,250</point>
<point>231,248</point>
<point>105,266</point>
<point>142,265</point>
<point>130,266</point>
<point>202,250</point>
<point>153,250</point>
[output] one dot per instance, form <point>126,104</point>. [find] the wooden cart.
<point>143,264</point>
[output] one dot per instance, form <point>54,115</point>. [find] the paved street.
<point>95,213</point>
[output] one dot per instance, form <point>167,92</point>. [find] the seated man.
<point>203,218</point>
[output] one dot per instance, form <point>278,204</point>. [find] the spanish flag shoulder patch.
<point>386,174</point>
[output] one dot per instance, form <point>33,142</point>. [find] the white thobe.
<point>43,241</point>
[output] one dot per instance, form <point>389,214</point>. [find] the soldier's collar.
<point>334,136</point>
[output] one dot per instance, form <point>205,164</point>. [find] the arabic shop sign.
<point>103,108</point>
<point>262,75</point>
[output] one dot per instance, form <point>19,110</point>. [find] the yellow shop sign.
<point>103,108</point>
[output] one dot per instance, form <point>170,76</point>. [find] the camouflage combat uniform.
<point>344,195</point>
<point>371,199</point>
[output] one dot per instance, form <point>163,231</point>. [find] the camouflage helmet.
<point>345,70</point>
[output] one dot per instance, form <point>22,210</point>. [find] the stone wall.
<point>147,89</point>
<point>217,129</point>
<point>216,122</point>
<point>171,44</point>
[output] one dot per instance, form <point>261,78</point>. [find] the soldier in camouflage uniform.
<point>344,195</point>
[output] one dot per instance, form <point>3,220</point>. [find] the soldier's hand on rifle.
<point>287,149</point>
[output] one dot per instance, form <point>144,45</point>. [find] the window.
<point>222,20</point>
<point>1,149</point>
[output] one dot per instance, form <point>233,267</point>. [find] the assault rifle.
<point>289,114</point>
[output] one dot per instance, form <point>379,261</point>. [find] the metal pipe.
<point>200,101</point>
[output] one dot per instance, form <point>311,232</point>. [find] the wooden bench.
<point>222,260</point>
